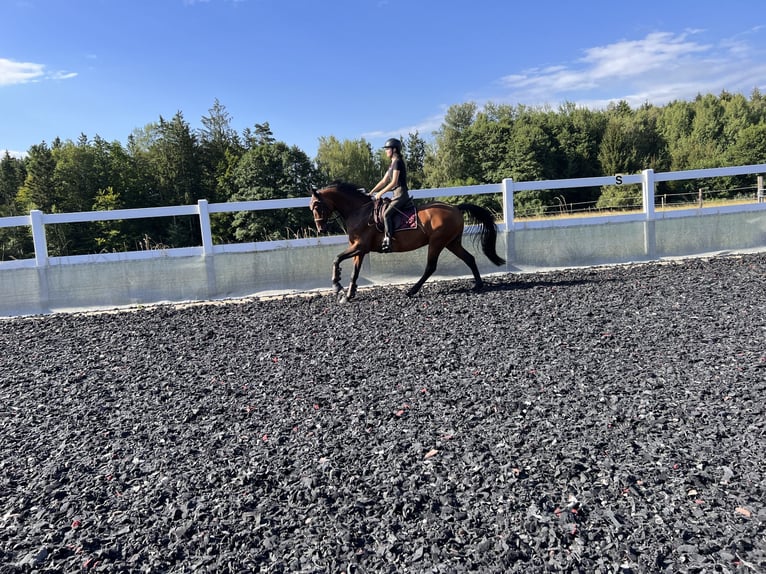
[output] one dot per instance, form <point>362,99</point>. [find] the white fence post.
<point>647,192</point>
<point>510,235</point>
<point>508,203</point>
<point>38,238</point>
<point>204,226</point>
<point>759,191</point>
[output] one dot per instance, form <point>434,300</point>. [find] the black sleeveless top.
<point>398,163</point>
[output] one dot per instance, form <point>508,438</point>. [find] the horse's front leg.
<point>355,275</point>
<point>336,273</point>
<point>352,251</point>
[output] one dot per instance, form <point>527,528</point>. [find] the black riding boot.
<point>385,246</point>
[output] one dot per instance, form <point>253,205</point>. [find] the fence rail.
<point>38,221</point>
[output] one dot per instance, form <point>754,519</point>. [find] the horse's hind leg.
<point>457,248</point>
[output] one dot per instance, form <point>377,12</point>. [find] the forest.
<point>168,163</point>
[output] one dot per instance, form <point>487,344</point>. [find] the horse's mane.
<point>348,188</point>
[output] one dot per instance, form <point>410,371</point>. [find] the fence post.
<point>508,203</point>
<point>650,233</point>
<point>647,192</point>
<point>759,193</point>
<point>38,238</point>
<point>204,226</point>
<point>510,234</point>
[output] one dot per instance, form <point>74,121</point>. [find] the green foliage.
<point>15,242</point>
<point>109,234</point>
<point>451,159</point>
<point>414,150</point>
<point>38,190</point>
<point>167,163</point>
<point>12,176</point>
<point>619,197</point>
<point>350,161</point>
<point>219,151</point>
<point>272,171</point>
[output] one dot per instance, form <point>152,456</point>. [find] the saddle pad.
<point>406,218</point>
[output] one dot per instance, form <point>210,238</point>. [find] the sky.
<point>355,69</point>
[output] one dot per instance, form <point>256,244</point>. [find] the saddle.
<point>405,218</point>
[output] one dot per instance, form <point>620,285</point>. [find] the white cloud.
<point>659,68</point>
<point>19,72</point>
<point>423,129</point>
<point>62,75</point>
<point>12,72</point>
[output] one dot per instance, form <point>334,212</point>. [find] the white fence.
<point>298,264</point>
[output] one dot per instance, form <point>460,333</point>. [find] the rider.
<point>395,180</point>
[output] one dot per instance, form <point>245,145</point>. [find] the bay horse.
<point>439,225</point>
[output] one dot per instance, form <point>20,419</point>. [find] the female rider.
<point>394,180</point>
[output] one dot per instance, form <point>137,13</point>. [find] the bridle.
<point>320,211</point>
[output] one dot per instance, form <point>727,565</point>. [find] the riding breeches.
<point>398,203</point>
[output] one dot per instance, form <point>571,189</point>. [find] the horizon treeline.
<point>169,163</point>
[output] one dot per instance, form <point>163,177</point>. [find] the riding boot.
<point>385,245</point>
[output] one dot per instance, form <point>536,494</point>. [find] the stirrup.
<point>385,245</point>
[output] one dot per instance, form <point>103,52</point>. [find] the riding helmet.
<point>393,143</point>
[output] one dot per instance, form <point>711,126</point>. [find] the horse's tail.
<point>488,230</point>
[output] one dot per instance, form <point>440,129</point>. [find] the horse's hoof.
<point>342,298</point>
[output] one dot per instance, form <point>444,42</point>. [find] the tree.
<point>675,125</point>
<point>175,162</point>
<point>706,137</point>
<point>38,190</point>
<point>15,242</point>
<point>262,135</point>
<point>12,174</point>
<point>74,175</point>
<point>632,142</point>
<point>219,148</point>
<point>174,158</point>
<point>272,171</point>
<point>578,133</point>
<point>749,148</point>
<point>490,135</point>
<point>76,182</point>
<point>350,160</point>
<point>452,159</point>
<point>414,158</point>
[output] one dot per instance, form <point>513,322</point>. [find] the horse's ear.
<point>314,192</point>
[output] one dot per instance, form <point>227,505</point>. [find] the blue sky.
<point>354,68</point>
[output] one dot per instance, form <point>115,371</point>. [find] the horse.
<point>439,225</point>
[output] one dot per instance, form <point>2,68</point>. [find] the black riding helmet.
<point>393,143</point>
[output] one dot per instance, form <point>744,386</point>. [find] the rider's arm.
<point>392,183</point>
<point>380,184</point>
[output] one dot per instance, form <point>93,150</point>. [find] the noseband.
<point>319,209</point>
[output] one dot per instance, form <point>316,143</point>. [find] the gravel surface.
<point>603,420</point>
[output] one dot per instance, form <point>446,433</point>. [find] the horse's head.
<point>320,210</point>
<point>345,198</point>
